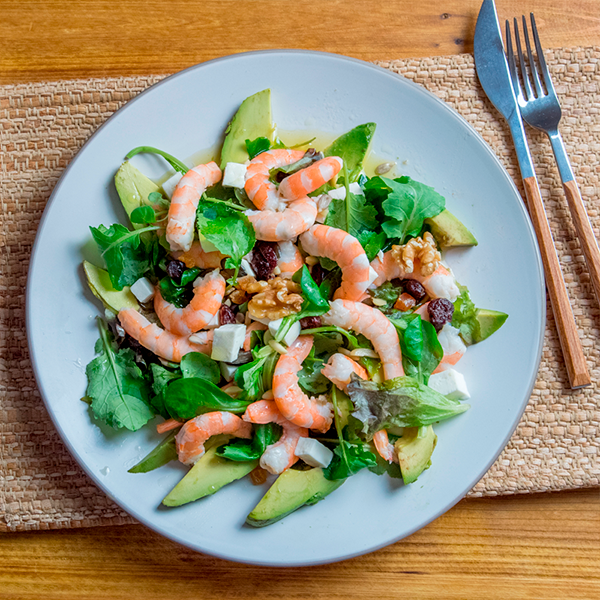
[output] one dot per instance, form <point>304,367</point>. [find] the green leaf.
<point>142,215</point>
<point>179,294</point>
<point>196,364</point>
<point>164,453</point>
<point>310,378</point>
<point>352,147</point>
<point>348,459</point>
<point>244,450</point>
<point>387,292</point>
<point>249,378</point>
<point>399,402</point>
<point>116,385</point>
<point>174,162</point>
<point>161,378</point>
<point>353,214</point>
<point>372,242</point>
<point>464,316</point>
<point>257,146</point>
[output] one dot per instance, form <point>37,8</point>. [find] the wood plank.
<point>514,547</point>
<point>53,39</point>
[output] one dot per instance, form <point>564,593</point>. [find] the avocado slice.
<point>291,490</point>
<point>414,453</point>
<point>164,453</point>
<point>352,147</point>
<point>489,322</point>
<point>208,476</point>
<point>133,188</point>
<point>252,120</point>
<point>449,231</point>
<point>101,286</point>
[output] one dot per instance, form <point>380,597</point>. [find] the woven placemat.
<point>43,125</point>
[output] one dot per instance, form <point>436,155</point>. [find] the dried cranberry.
<point>440,312</point>
<point>318,274</point>
<point>414,288</point>
<point>310,322</point>
<point>175,269</point>
<point>226,315</point>
<point>264,259</point>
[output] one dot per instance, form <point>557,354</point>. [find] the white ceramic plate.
<point>188,112</point>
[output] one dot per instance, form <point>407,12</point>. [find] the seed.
<point>278,347</point>
<point>379,302</point>
<point>311,260</point>
<point>258,476</point>
<point>384,167</point>
<point>276,271</point>
<point>232,390</point>
<point>268,395</point>
<point>368,352</point>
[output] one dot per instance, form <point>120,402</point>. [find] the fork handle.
<point>561,306</point>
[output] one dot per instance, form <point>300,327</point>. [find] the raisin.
<point>175,269</point>
<point>414,288</point>
<point>226,315</point>
<point>318,273</point>
<point>405,302</point>
<point>264,259</point>
<point>440,312</point>
<point>310,322</point>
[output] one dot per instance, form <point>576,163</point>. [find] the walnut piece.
<point>418,249</point>
<point>273,299</point>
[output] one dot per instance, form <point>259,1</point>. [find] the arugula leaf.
<point>174,162</point>
<point>348,459</point>
<point>163,453</point>
<point>257,146</point>
<point>353,214</point>
<point>352,147</point>
<point>188,398</point>
<point>143,215</point>
<point>245,450</point>
<point>196,364</point>
<point>249,377</point>
<point>179,294</point>
<point>400,402</point>
<point>116,385</point>
<point>372,242</point>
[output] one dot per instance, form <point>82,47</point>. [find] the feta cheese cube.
<point>143,290</point>
<point>170,184</point>
<point>290,336</point>
<point>340,193</point>
<point>228,371</point>
<point>227,342</point>
<point>206,245</point>
<point>234,175</point>
<point>313,453</point>
<point>450,383</point>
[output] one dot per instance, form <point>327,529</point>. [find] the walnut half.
<point>423,250</point>
<point>273,299</point>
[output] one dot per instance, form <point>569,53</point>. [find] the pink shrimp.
<point>293,403</point>
<point>208,295</point>
<point>190,439</point>
<point>278,456</point>
<point>289,260</point>
<point>440,284</point>
<point>182,211</point>
<point>163,343</point>
<point>273,226</point>
<point>254,326</point>
<point>196,257</point>
<point>307,180</point>
<point>260,190</point>
<point>339,370</point>
<point>384,447</point>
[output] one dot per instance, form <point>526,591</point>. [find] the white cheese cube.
<point>227,342</point>
<point>234,175</point>
<point>228,371</point>
<point>450,383</point>
<point>170,184</point>
<point>206,245</point>
<point>143,290</point>
<point>313,453</point>
<point>340,193</point>
<point>290,336</point>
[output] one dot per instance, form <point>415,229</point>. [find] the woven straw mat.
<point>43,125</point>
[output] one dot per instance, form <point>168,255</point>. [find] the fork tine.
<point>511,62</point>
<point>526,83</point>
<point>540,53</point>
<point>532,67</point>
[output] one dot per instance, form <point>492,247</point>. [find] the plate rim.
<point>482,143</point>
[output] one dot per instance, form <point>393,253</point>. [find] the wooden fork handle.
<point>561,307</point>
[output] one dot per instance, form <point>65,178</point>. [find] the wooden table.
<point>520,547</point>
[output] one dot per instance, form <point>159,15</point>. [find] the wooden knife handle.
<point>561,307</point>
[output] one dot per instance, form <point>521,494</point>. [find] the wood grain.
<point>54,39</point>
<point>555,284</point>
<point>518,547</point>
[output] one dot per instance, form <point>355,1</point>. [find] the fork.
<point>542,110</point>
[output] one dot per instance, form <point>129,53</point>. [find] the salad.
<point>281,313</point>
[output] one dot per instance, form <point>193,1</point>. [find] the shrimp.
<point>290,259</point>
<point>281,455</point>
<point>208,295</point>
<point>384,447</point>
<point>163,343</point>
<point>273,226</point>
<point>197,257</point>
<point>260,190</point>
<point>375,326</point>
<point>254,326</point>
<point>440,284</point>
<point>293,403</point>
<point>307,180</point>
<point>453,346</point>
<point>339,370</point>
<point>190,439</point>
<point>182,211</point>
<point>346,250</point>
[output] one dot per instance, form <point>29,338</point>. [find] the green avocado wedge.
<point>133,188</point>
<point>101,286</point>
<point>291,490</point>
<point>352,147</point>
<point>208,476</point>
<point>164,453</point>
<point>414,453</point>
<point>449,232</point>
<point>251,121</point>
<point>489,322</point>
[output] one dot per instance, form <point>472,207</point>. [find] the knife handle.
<point>561,306</point>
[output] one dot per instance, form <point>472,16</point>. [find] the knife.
<point>492,69</point>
